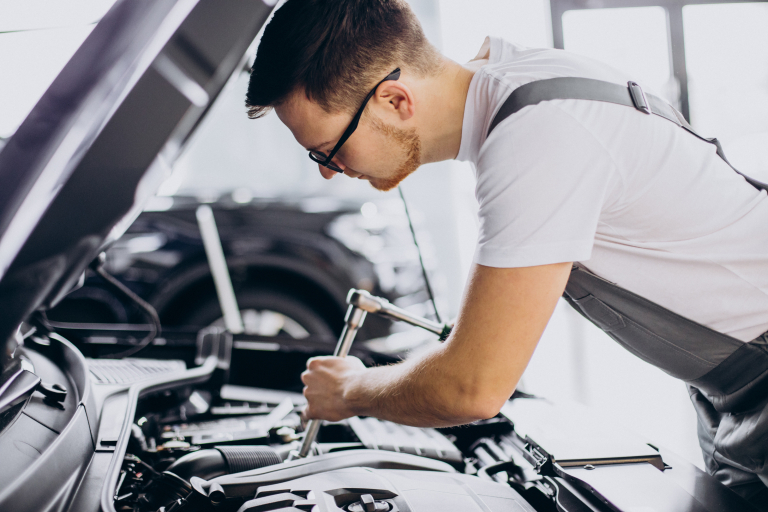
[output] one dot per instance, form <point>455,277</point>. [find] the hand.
<point>325,384</point>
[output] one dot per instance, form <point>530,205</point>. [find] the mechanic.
<point>647,230</point>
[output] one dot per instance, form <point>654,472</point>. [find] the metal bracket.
<point>638,97</point>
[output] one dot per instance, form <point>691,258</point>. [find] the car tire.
<point>265,313</point>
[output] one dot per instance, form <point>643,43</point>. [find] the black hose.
<point>205,464</point>
<point>154,326</point>
<point>245,458</point>
<point>222,460</point>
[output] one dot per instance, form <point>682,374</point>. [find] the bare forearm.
<point>469,377</point>
<point>428,390</point>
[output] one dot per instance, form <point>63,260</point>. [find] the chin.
<point>384,185</point>
<point>389,183</point>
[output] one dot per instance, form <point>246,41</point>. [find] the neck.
<point>442,112</point>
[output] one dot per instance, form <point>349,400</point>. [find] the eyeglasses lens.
<point>321,159</point>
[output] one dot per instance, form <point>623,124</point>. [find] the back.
<point>634,198</point>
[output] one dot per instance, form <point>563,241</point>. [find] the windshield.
<point>37,37</point>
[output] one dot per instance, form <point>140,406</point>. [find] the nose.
<point>326,172</point>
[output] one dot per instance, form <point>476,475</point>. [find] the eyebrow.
<point>317,148</point>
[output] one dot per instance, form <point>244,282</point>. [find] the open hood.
<point>103,137</point>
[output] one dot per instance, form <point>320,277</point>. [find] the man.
<point>629,197</point>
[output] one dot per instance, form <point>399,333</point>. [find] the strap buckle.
<point>638,97</point>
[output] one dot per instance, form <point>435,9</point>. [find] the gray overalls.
<point>727,378</point>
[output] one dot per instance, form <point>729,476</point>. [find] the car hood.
<point>104,135</point>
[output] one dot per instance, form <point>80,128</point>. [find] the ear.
<point>394,98</point>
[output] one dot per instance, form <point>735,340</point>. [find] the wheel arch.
<point>324,293</point>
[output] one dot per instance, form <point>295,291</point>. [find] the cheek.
<point>354,158</point>
<point>365,156</point>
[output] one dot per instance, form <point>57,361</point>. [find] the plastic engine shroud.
<point>385,490</point>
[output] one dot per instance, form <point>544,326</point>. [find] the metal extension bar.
<point>361,303</point>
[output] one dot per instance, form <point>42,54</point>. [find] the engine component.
<point>221,460</point>
<point>243,486</point>
<point>377,434</point>
<point>168,488</point>
<point>386,490</point>
<point>368,504</point>
<point>229,429</point>
<point>129,371</point>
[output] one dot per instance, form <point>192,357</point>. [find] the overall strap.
<point>730,371</point>
<point>577,88</point>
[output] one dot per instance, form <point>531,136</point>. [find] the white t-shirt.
<point>634,198</point>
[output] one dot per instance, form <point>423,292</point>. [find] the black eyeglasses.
<point>320,157</point>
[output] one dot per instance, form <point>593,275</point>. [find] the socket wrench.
<point>361,303</point>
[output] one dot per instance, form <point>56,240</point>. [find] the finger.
<point>314,362</point>
<point>352,360</point>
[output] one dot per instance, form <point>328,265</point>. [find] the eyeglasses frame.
<point>327,161</point>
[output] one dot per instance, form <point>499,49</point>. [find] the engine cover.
<point>386,490</point>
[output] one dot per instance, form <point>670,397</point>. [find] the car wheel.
<point>264,313</point>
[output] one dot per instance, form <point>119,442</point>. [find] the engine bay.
<point>201,443</point>
<point>165,435</point>
<point>192,450</point>
<point>208,420</point>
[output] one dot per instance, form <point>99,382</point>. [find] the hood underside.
<point>104,135</point>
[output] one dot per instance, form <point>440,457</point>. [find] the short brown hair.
<point>336,50</point>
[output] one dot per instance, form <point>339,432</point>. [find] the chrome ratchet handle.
<point>352,323</point>
<point>382,307</point>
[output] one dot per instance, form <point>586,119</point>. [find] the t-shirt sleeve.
<point>542,180</point>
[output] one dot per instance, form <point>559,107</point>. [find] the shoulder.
<point>512,66</point>
<point>549,131</point>
<point>516,65</point>
<point>541,185</point>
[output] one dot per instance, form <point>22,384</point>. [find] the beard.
<point>409,143</point>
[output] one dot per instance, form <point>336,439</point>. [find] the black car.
<point>171,433</point>
<point>291,265</point>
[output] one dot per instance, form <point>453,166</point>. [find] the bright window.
<point>634,40</point>
<point>726,51</point>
